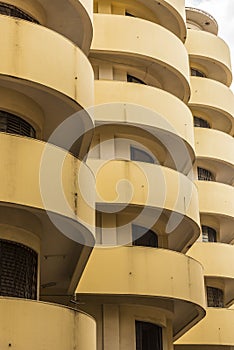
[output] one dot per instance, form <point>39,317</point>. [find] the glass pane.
<point>132,79</point>
<point>141,236</point>
<point>201,123</point>
<point>140,156</point>
<point>208,234</point>
<point>197,73</point>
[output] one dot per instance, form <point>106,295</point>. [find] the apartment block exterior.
<point>117,163</point>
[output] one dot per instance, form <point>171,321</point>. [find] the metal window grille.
<point>13,11</point>
<point>201,123</point>
<point>18,270</point>
<point>132,79</point>
<point>208,234</point>
<point>13,124</point>
<point>215,297</point>
<point>148,336</point>
<point>197,73</point>
<point>144,237</point>
<point>205,175</point>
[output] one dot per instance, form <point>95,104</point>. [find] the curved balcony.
<point>164,114</point>
<point>214,100</point>
<point>211,54</point>
<point>219,160</point>
<point>147,191</point>
<point>72,19</point>
<point>201,20</point>
<point>37,325</point>
<point>215,331</point>
<point>216,199</point>
<point>168,13</point>
<point>45,185</point>
<point>58,86</point>
<point>163,57</point>
<point>217,260</point>
<point>216,207</point>
<point>133,273</point>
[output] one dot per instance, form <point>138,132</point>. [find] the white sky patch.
<point>223,12</point>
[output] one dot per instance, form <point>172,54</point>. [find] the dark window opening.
<point>148,336</point>
<point>144,237</point>
<point>208,234</point>
<point>132,79</point>
<point>129,14</point>
<point>214,297</point>
<point>197,73</point>
<point>18,270</point>
<point>201,123</point>
<point>13,124</point>
<point>139,155</point>
<point>13,11</point>
<point>205,175</point>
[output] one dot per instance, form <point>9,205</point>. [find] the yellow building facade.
<point>117,163</point>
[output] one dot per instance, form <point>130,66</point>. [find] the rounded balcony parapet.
<point>217,260</point>
<point>129,272</point>
<point>73,20</point>
<point>216,199</point>
<point>214,331</point>
<point>201,20</point>
<point>164,114</point>
<point>44,92</point>
<point>130,45</point>
<point>170,14</point>
<point>219,160</point>
<point>51,197</point>
<point>210,55</point>
<point>214,101</point>
<point>60,327</point>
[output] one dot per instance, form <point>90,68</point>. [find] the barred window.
<point>18,270</point>
<point>148,336</point>
<point>201,123</point>
<point>141,236</point>
<point>214,297</point>
<point>13,11</point>
<point>197,73</point>
<point>205,175</point>
<point>13,124</point>
<point>208,234</point>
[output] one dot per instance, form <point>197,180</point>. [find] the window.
<point>18,276</point>
<point>208,234</point>
<point>13,124</point>
<point>148,336</point>
<point>214,297</point>
<point>201,123</point>
<point>140,156</point>
<point>129,14</point>
<point>143,237</point>
<point>132,79</point>
<point>13,11</point>
<point>205,175</point>
<point>197,73</point>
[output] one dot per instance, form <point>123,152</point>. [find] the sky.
<point>223,12</point>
